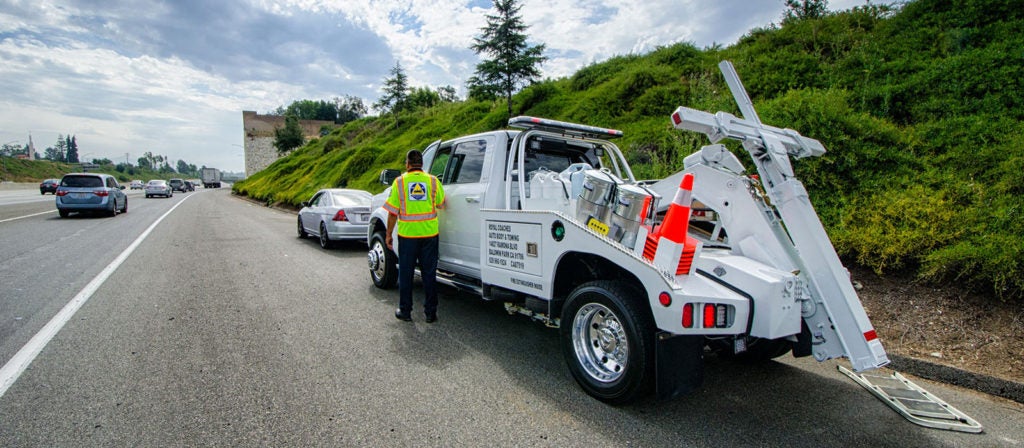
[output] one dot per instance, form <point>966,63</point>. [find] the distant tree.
<point>103,161</point>
<point>512,62</point>
<point>447,94</point>
<point>145,163</point>
<point>72,149</point>
<point>396,91</point>
<point>422,98</point>
<point>289,137</point>
<point>804,9</point>
<point>60,149</point>
<point>10,150</point>
<point>479,89</point>
<point>350,108</point>
<point>313,110</point>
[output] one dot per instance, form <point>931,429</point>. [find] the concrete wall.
<point>258,132</point>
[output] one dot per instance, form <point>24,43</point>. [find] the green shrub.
<point>896,228</point>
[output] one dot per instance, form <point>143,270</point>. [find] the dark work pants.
<point>423,250</point>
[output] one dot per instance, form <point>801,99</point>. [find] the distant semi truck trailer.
<point>211,178</point>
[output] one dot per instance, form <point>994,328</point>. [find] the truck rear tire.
<point>383,263</point>
<point>607,339</point>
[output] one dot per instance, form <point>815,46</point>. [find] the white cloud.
<point>172,77</point>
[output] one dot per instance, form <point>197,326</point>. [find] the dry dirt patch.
<point>948,325</point>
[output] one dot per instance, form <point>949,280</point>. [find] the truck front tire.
<point>383,263</point>
<point>607,338</point>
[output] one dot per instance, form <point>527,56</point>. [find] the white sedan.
<point>158,187</point>
<point>335,214</point>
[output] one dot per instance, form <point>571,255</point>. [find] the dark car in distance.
<point>177,185</point>
<point>49,186</point>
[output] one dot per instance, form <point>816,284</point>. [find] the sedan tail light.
<point>340,216</point>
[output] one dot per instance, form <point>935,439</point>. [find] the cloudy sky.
<point>173,77</point>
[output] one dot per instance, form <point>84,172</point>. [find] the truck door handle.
<point>473,199</point>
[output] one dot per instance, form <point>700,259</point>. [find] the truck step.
<point>914,403</point>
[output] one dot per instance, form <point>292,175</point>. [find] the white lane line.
<point>20,361</point>
<point>26,216</point>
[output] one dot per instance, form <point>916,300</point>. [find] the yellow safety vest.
<point>415,197</point>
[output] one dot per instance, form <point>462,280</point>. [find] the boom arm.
<point>837,321</point>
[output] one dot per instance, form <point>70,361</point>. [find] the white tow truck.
<point>550,220</point>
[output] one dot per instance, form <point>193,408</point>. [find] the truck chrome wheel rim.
<point>375,258</point>
<point>600,342</point>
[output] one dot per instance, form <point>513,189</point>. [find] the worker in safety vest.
<point>415,198</point>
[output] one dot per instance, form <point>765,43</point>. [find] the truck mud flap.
<point>914,403</point>
<point>679,365</point>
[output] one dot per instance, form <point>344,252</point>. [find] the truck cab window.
<point>467,162</point>
<point>440,163</point>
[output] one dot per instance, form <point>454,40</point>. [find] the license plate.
<point>79,195</point>
<point>597,226</point>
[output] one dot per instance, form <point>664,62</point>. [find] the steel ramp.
<point>916,404</point>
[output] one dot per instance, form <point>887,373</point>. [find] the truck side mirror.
<point>389,176</point>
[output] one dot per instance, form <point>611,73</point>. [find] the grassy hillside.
<point>20,170</point>
<point>920,109</point>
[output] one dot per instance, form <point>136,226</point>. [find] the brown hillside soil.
<point>948,325</point>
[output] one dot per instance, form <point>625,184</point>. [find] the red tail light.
<point>688,315</point>
<point>101,193</point>
<point>665,298</point>
<point>62,193</point>
<point>340,216</point>
<point>709,315</point>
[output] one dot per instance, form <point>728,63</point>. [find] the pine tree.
<point>61,149</point>
<point>72,144</point>
<point>513,63</point>
<point>396,91</point>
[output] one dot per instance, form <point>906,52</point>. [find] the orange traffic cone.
<point>674,227</point>
<point>677,219</point>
